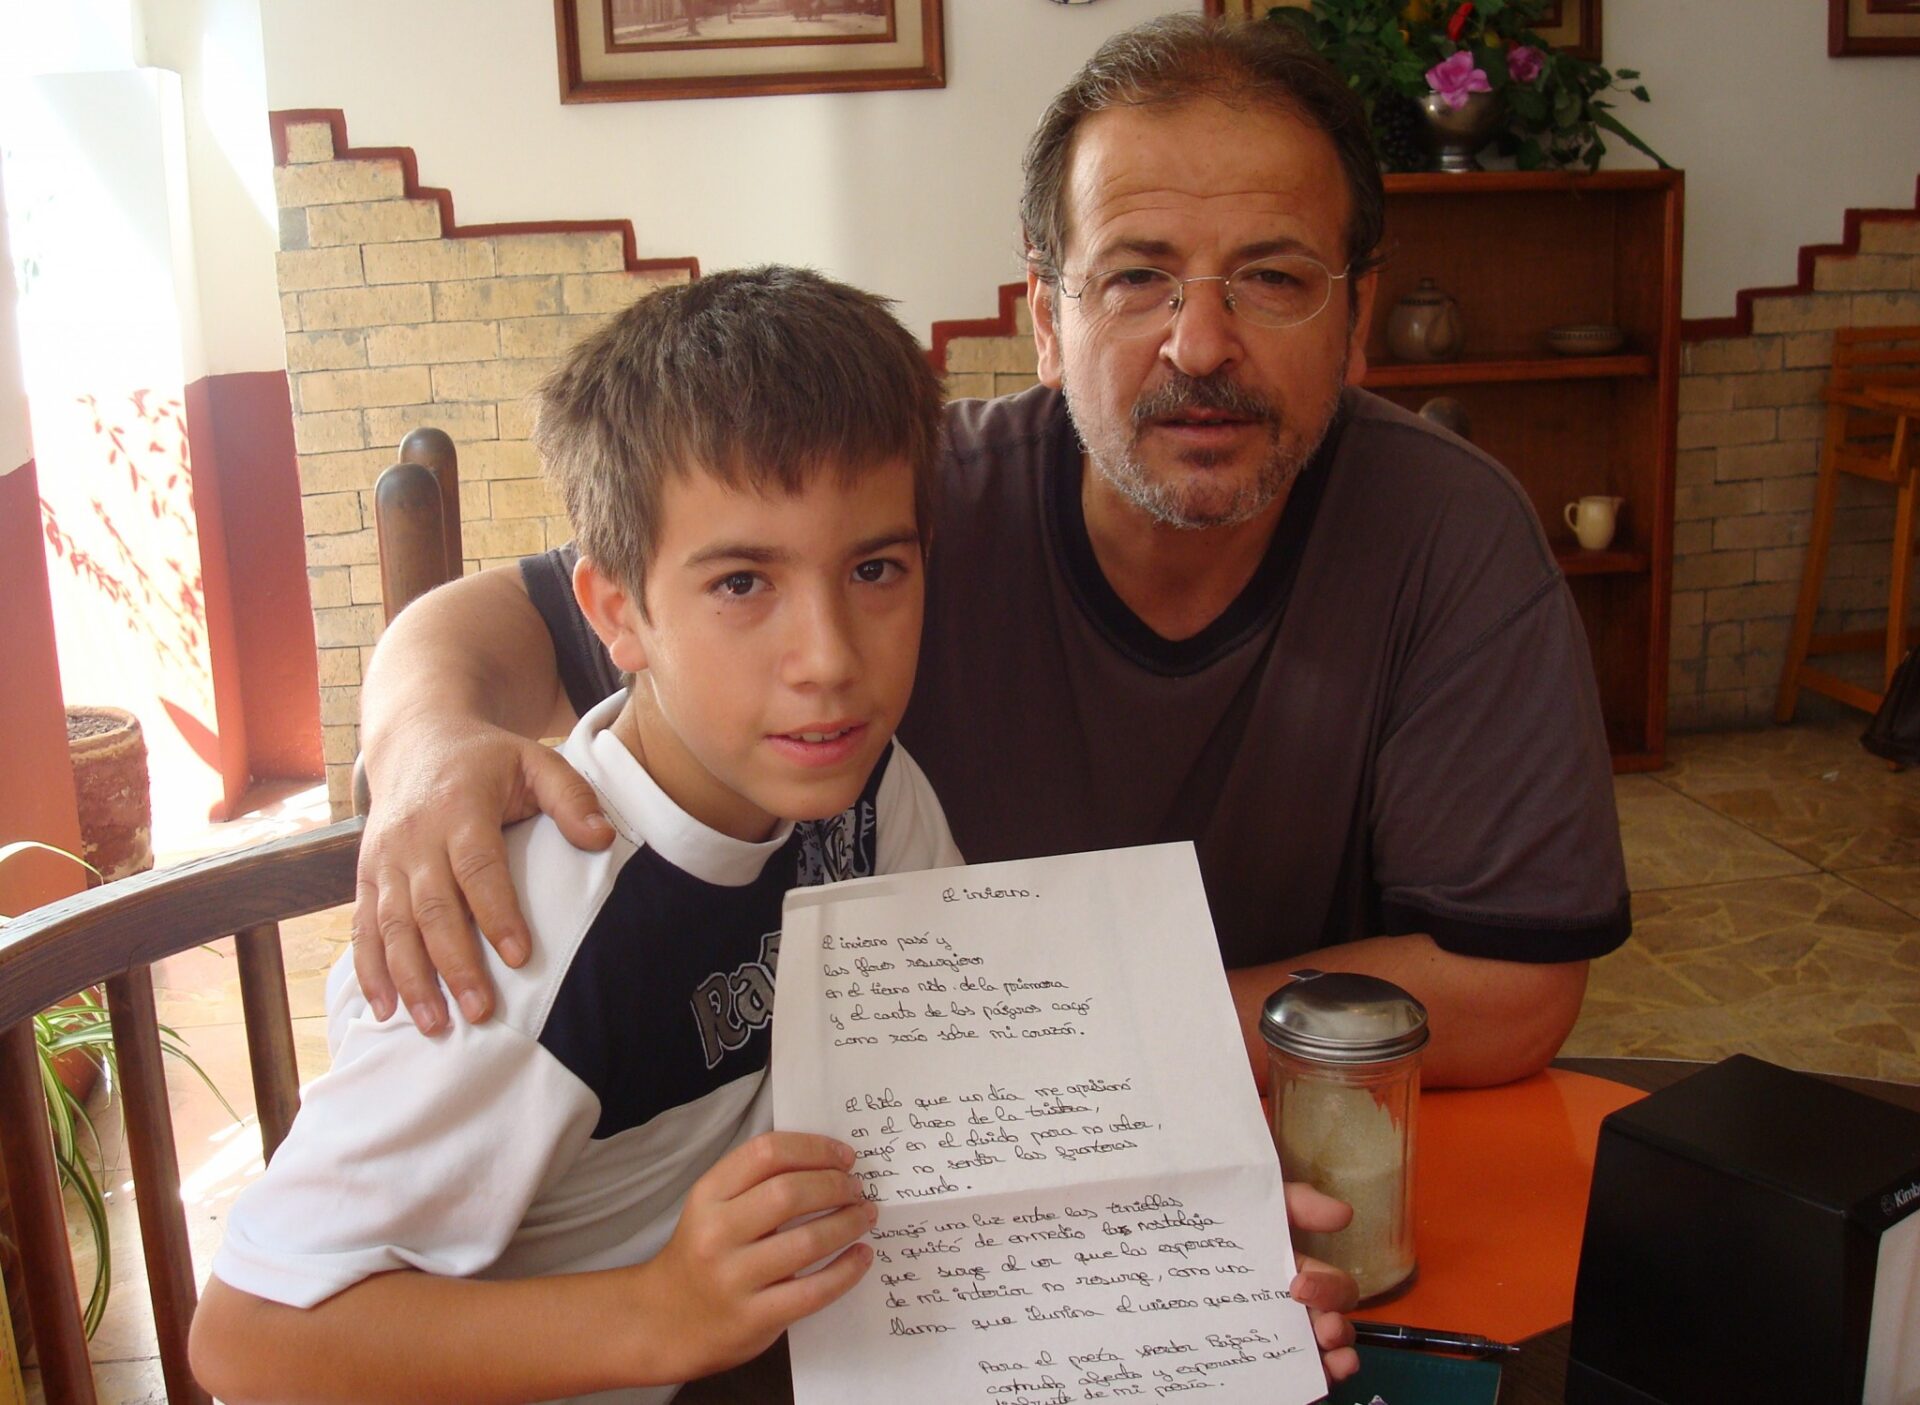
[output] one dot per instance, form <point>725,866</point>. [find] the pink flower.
<point>1454,78</point>
<point>1524,63</point>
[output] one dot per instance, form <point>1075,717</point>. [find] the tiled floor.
<point>1776,896</point>
<point>1776,879</point>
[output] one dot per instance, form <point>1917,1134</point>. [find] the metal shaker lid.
<point>1342,1017</point>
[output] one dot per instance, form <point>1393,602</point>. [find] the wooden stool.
<point>1873,431</point>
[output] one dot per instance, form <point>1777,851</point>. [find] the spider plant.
<point>82,1027</point>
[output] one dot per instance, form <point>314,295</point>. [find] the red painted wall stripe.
<point>36,779</point>
<point>275,659</point>
<point>1001,326</point>
<point>217,598</point>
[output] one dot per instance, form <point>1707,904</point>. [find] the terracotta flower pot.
<point>109,756</point>
<point>110,783</point>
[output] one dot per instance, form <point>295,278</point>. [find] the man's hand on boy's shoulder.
<point>728,1283</point>
<point>433,853</point>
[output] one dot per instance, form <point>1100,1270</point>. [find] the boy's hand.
<point>725,1287</point>
<point>433,850</point>
<point>1325,1291</point>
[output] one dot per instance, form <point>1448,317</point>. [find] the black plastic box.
<point>1734,1236</point>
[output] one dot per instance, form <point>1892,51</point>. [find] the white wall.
<point>1777,139</point>
<point>78,36</point>
<point>912,193</point>
<point>97,165</point>
<point>16,433</point>
<point>214,45</point>
<point>210,50</point>
<point>909,193</point>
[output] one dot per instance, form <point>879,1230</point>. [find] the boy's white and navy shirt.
<point>625,1058</point>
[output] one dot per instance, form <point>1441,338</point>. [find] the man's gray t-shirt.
<point>1394,729</point>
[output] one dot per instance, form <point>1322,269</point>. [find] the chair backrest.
<point>1875,356</point>
<point>112,935</point>
<point>416,516</point>
<point>1860,436</point>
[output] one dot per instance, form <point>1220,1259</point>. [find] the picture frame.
<point>1571,26</point>
<point>650,50</point>
<point>1869,28</point>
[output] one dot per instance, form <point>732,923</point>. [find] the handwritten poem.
<point>1038,1066</point>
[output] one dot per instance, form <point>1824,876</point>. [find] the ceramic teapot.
<point>1426,325</point>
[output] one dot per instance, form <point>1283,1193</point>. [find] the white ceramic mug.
<point>1592,520</point>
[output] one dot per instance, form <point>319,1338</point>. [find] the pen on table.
<point>1420,1339</point>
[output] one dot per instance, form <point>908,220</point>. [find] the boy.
<point>572,1197</point>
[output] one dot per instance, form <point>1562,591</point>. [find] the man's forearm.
<point>475,649</point>
<point>407,1336</point>
<point>1492,1021</point>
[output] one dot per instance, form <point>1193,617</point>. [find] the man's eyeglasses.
<point>1283,291</point>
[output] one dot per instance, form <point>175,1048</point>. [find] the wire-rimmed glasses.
<point>1282,291</point>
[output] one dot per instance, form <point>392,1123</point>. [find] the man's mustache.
<point>1216,392</point>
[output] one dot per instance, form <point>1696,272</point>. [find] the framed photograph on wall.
<point>1571,26</point>
<point>636,50</point>
<point>1857,28</point>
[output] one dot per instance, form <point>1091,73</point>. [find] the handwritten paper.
<point>1039,1068</point>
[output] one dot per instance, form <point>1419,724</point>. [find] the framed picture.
<point>1856,28</point>
<point>1571,26</point>
<point>635,50</point>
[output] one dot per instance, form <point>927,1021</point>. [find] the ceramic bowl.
<point>1585,339</point>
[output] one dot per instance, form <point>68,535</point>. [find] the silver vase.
<point>1453,135</point>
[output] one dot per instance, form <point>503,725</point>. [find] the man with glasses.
<point>1197,585</point>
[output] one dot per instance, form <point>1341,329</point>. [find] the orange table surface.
<point>1500,1199</point>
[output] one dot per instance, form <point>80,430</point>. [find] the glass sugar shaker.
<point>1343,1059</point>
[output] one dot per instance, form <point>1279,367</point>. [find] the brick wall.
<point>996,363</point>
<point>1750,426</point>
<point>396,318</point>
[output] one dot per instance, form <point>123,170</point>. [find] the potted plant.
<point>1443,78</point>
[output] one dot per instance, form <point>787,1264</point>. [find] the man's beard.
<point>1175,500</point>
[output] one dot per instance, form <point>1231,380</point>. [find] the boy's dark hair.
<point>1175,59</point>
<point>761,377</point>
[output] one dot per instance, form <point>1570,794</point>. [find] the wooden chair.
<point>416,517</point>
<point>1872,431</point>
<point>112,935</point>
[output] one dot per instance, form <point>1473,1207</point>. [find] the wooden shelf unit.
<point>1470,370</point>
<point>1521,252</point>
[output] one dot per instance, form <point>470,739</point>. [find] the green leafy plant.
<point>82,1027</point>
<point>1558,108</point>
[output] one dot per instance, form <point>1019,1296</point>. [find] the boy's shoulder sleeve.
<point>912,827</point>
<point>411,1153</point>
